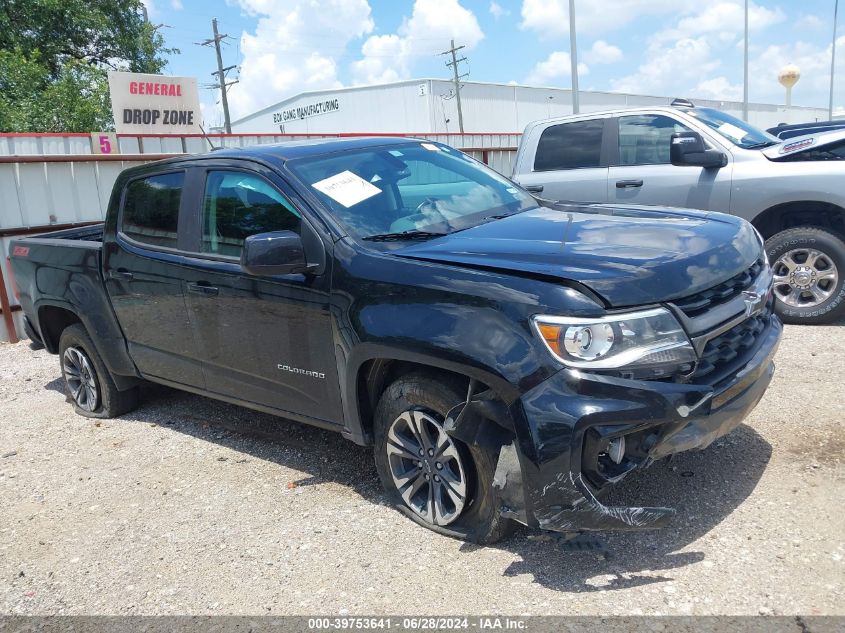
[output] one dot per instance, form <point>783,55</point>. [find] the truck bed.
<point>88,233</point>
<point>60,280</point>
<point>61,270</point>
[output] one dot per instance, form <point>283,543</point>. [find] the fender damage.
<point>553,441</point>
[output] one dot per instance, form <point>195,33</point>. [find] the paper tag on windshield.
<point>346,188</point>
<point>431,147</point>
<point>731,130</point>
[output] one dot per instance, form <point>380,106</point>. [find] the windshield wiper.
<point>403,235</point>
<point>500,216</point>
<point>760,145</point>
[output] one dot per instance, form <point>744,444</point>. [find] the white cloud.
<point>550,18</point>
<point>433,23</point>
<point>810,21</point>
<point>498,11</point>
<point>557,65</point>
<point>176,5</point>
<point>295,47</point>
<point>385,59</point>
<point>722,20</point>
<point>718,88</point>
<point>670,68</point>
<point>603,53</point>
<point>813,62</point>
<point>684,59</point>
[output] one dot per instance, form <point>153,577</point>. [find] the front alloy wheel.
<point>808,264</point>
<point>429,476</point>
<point>804,278</point>
<point>81,378</point>
<point>426,467</point>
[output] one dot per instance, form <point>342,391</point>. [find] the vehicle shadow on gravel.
<point>325,455</point>
<point>704,487</point>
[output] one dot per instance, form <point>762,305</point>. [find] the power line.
<point>457,78</point>
<point>223,85</point>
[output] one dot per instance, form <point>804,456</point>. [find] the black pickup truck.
<point>508,358</point>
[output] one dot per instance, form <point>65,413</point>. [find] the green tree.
<point>55,55</point>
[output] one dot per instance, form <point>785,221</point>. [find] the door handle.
<point>120,274</point>
<point>534,188</point>
<point>202,288</point>
<point>628,184</point>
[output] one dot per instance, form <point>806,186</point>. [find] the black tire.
<point>833,248</point>
<point>480,521</point>
<point>109,402</point>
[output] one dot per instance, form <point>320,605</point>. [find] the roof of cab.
<point>276,153</point>
<point>289,150</point>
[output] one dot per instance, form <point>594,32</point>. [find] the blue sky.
<point>662,47</point>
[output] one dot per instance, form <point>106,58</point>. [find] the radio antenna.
<point>205,136</point>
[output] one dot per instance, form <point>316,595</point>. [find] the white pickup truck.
<point>792,191</point>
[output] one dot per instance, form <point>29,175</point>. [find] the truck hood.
<point>803,144</point>
<point>627,255</point>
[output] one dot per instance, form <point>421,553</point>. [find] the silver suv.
<point>792,191</point>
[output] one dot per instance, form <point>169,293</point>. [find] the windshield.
<point>735,130</point>
<point>417,188</point>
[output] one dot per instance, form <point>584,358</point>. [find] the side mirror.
<point>277,253</point>
<point>687,149</point>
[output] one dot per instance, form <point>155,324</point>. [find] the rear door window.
<point>151,209</point>
<point>574,145</point>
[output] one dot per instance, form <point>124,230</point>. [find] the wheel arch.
<point>789,215</point>
<point>52,321</point>
<point>370,374</point>
<point>53,318</point>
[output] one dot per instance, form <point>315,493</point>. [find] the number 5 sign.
<point>104,143</point>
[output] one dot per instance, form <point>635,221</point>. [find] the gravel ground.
<point>181,507</point>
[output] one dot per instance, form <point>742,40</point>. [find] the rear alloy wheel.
<point>81,379</point>
<point>808,266</point>
<point>90,386</point>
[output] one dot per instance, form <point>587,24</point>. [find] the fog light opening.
<point>616,449</point>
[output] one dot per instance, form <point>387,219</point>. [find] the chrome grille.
<point>700,302</point>
<point>725,354</point>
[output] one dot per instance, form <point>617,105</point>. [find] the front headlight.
<point>650,340</point>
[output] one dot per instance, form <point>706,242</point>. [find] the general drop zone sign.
<point>154,104</point>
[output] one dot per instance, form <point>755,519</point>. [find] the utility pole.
<point>745,70</point>
<point>221,73</point>
<point>457,78</point>
<point>833,60</point>
<point>573,57</point>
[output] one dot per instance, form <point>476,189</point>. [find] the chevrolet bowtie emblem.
<point>753,302</point>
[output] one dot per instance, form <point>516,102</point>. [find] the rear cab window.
<point>151,209</point>
<point>575,145</point>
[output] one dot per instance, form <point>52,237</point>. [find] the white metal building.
<point>429,106</point>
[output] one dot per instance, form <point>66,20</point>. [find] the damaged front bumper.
<point>549,477</point>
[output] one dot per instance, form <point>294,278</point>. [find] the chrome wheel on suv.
<point>81,378</point>
<point>426,467</point>
<point>804,278</point>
